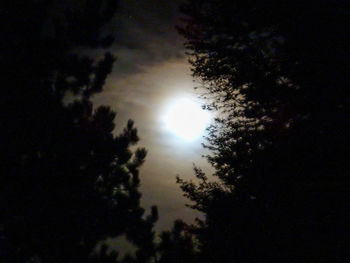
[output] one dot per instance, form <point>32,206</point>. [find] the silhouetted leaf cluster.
<point>277,73</point>
<point>67,182</point>
<point>177,245</point>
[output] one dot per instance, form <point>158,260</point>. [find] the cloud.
<point>150,71</point>
<point>145,34</point>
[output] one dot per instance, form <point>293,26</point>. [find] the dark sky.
<point>151,73</point>
<point>146,34</point>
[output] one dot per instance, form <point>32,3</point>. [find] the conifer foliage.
<point>277,73</point>
<point>67,181</point>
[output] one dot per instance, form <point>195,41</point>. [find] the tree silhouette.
<point>177,245</point>
<point>67,182</point>
<point>277,73</point>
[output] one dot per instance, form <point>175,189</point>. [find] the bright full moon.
<point>186,119</point>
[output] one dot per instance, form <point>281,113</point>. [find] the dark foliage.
<point>67,181</point>
<point>177,245</point>
<point>277,71</point>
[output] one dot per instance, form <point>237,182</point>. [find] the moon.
<point>186,119</point>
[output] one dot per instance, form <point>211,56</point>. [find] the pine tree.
<point>277,73</point>
<point>67,181</point>
<point>177,245</point>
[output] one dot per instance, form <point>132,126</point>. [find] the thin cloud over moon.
<point>143,96</point>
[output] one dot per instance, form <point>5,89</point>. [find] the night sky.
<point>266,170</point>
<point>151,75</point>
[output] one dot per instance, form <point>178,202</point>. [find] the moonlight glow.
<point>186,119</point>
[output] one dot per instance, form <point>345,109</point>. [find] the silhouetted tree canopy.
<point>277,74</point>
<point>177,245</point>
<point>67,181</point>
